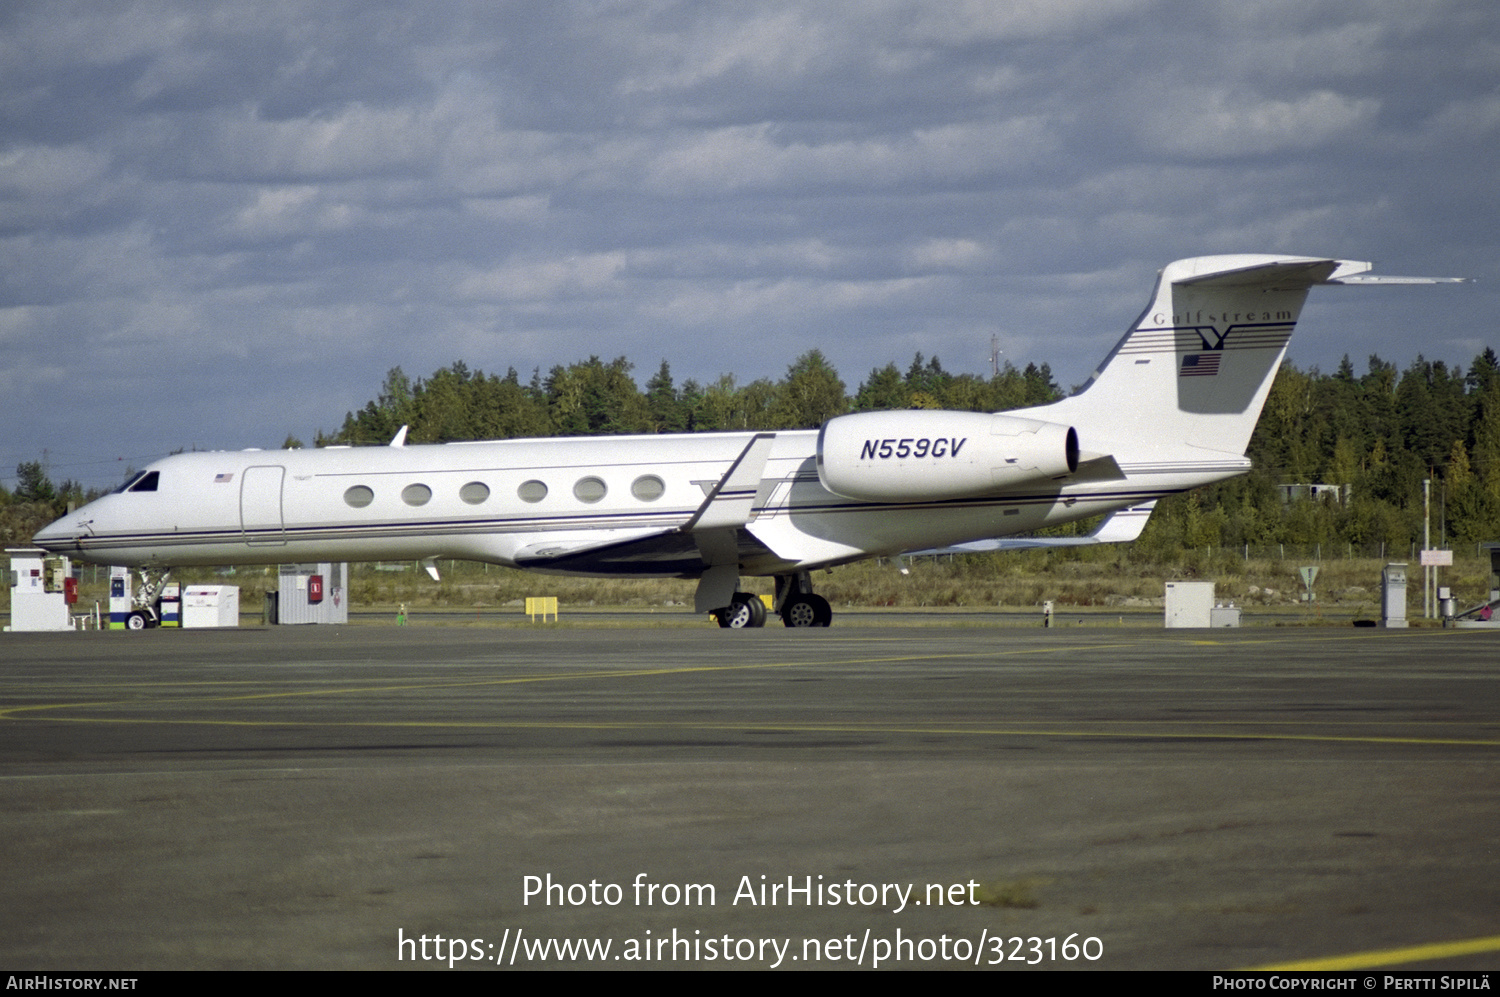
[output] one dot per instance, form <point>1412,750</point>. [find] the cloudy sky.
<point>223,223</point>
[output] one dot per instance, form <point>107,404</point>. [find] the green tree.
<point>594,397</point>
<point>810,395</point>
<point>928,379</point>
<point>379,420</point>
<point>32,484</point>
<point>508,409</point>
<point>441,407</point>
<point>662,401</point>
<point>690,399</point>
<point>1040,388</point>
<point>883,390</point>
<point>1486,436</point>
<point>1007,390</point>
<point>35,503</point>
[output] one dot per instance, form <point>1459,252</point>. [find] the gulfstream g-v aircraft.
<point>1170,408</point>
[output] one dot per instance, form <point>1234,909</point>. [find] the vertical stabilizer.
<point>1196,367</point>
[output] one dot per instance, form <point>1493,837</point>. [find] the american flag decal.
<point>1199,365</point>
<point>221,479</point>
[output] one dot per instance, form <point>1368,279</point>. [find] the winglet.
<point>716,524</point>
<point>730,501</point>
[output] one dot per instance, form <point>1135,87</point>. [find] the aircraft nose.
<point>60,535</point>
<point>48,536</point>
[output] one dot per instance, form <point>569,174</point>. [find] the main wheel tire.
<point>807,611</point>
<point>757,610</point>
<point>799,613</point>
<point>744,612</point>
<point>136,621</point>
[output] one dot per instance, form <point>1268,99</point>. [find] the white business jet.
<point>1171,408</point>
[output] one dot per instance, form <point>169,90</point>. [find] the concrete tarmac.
<point>372,797</point>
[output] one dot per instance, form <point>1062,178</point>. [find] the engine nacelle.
<point>926,456</point>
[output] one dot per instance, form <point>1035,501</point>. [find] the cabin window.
<point>416,494</point>
<point>589,489</point>
<point>474,492</point>
<point>359,496</point>
<point>532,491</point>
<point>648,488</point>
<point>146,482</point>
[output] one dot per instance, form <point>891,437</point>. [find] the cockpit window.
<point>130,479</point>
<point>145,483</point>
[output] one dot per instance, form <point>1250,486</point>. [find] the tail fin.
<point>1197,365</point>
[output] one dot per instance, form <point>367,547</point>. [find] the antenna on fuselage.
<point>400,439</point>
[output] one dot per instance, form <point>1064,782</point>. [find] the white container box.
<point>211,606</point>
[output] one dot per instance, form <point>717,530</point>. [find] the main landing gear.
<point>747,610</point>
<point>796,604</point>
<point>807,611</point>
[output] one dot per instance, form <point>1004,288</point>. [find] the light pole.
<point>1426,546</point>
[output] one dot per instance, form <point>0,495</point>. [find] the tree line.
<point>595,397</point>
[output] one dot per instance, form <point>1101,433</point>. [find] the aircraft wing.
<point>657,552</point>
<point>1118,527</point>
<point>564,548</point>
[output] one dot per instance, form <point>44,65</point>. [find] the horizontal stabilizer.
<point>1377,279</point>
<point>1293,274</point>
<point>1118,527</point>
<point>1302,273</point>
<point>1125,525</point>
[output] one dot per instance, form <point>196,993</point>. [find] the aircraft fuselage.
<point>512,502</point>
